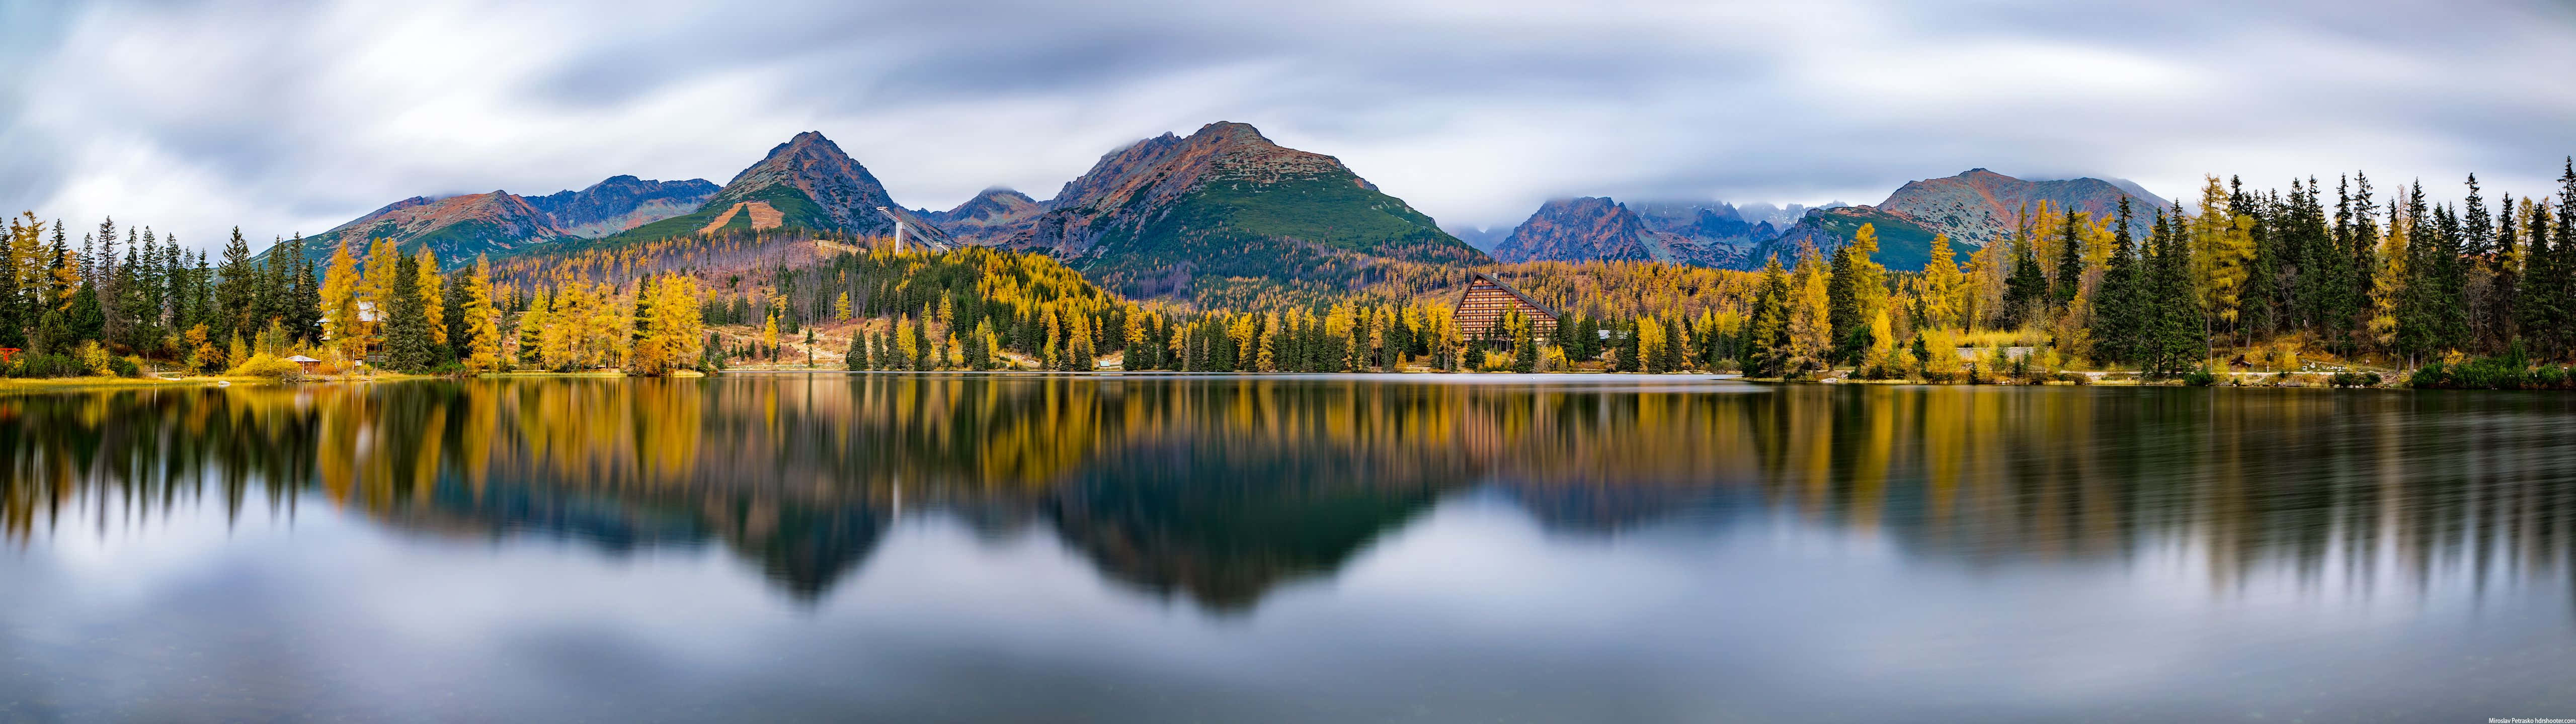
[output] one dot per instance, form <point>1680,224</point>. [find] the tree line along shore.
<point>2282,286</point>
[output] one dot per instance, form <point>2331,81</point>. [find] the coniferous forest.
<point>2336,280</point>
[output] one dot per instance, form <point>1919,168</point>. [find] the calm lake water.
<point>1259,550</point>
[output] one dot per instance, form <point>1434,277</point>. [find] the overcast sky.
<point>288,117</point>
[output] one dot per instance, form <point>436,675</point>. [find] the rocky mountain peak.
<point>1979,206</point>
<point>846,193</point>
<point>620,202</point>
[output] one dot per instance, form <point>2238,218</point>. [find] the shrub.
<point>40,367</point>
<point>2199,378</point>
<point>2510,372</point>
<point>125,366</point>
<point>93,359</point>
<point>268,365</point>
<point>2549,377</point>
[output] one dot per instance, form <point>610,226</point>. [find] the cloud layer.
<point>196,115</point>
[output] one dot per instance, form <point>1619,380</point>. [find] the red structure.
<point>8,354</point>
<point>1481,309</point>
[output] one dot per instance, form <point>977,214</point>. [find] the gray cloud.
<point>198,115</point>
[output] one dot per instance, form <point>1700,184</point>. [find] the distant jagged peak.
<point>1979,206</point>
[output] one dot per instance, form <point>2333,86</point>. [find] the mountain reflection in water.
<point>1281,549</point>
<point>1219,490</point>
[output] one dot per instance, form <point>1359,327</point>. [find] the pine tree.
<point>2504,287</point>
<point>456,292</point>
<point>2536,304</point>
<point>16,251</point>
<point>1844,308</point>
<point>1766,337</point>
<point>2116,310</point>
<point>236,286</point>
<point>979,346</point>
<point>2171,340</point>
<point>1672,357</point>
<point>1631,352</point>
<point>409,344</point>
<point>2070,262</point>
<point>2026,291</point>
<point>303,306</point>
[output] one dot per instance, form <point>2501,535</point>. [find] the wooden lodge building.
<point>1480,312</point>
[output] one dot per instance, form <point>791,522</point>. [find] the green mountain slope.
<point>1904,243</point>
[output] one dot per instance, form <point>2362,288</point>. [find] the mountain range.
<point>1225,206</point>
<point>1149,217</point>
<point>1597,228</point>
<point>1974,207</point>
<point>458,228</point>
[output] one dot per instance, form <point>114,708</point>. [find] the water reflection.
<point>1219,490</point>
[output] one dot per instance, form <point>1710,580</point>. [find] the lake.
<point>1283,549</point>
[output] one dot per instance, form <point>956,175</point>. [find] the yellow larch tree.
<point>482,321</point>
<point>1811,333</point>
<point>1939,286</point>
<point>340,322</point>
<point>2388,282</point>
<point>1981,290</point>
<point>433,295</point>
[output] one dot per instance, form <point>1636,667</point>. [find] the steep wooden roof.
<point>1515,293</point>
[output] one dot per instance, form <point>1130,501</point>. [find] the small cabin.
<point>304,362</point>
<point>1481,311</point>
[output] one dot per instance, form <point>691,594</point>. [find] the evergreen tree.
<point>1631,348</point>
<point>409,344</point>
<point>2070,262</point>
<point>1843,305</point>
<point>302,312</point>
<point>85,318</point>
<point>456,310</point>
<point>2563,273</point>
<point>1673,358</point>
<point>1766,335</point>
<point>2172,338</point>
<point>2116,305</point>
<point>2504,285</point>
<point>979,347</point>
<point>14,319</point>
<point>2026,291</point>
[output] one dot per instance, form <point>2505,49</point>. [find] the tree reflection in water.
<point>1219,490</point>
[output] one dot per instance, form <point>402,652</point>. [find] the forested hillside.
<point>2246,280</point>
